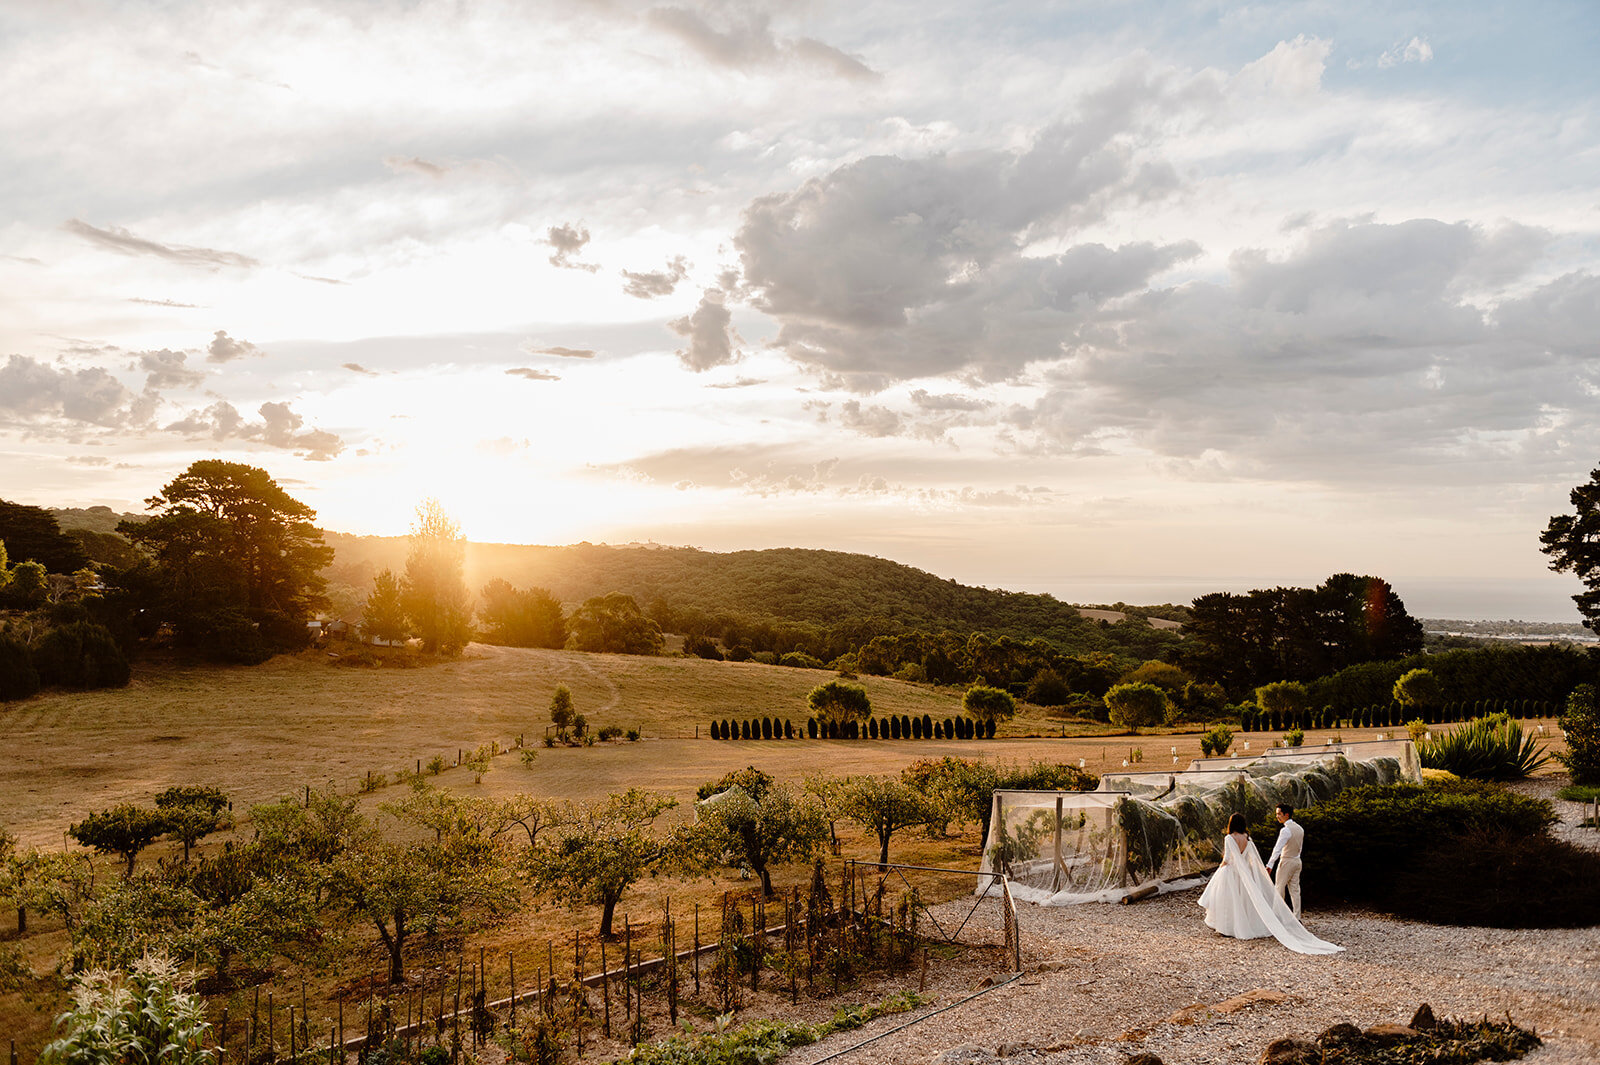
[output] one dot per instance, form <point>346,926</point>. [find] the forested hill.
<point>825,589</point>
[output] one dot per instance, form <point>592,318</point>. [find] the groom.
<point>1286,857</point>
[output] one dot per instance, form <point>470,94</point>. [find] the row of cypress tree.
<point>904,727</point>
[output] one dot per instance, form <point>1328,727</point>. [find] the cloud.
<point>415,165</point>
<point>737,382</point>
<point>568,240</point>
<point>356,367</point>
<point>750,44</point>
<point>532,374</point>
<point>161,303</point>
<point>890,268</point>
<point>1416,50</point>
<point>31,390</point>
<point>710,333</point>
<point>869,421</point>
<point>117,239</point>
<point>656,283</point>
<point>321,280</point>
<point>1367,353</point>
<point>279,427</point>
<point>224,348</point>
<point>925,401</point>
<point>561,352</point>
<point>168,369</point>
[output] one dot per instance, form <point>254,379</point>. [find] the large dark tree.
<point>31,534</point>
<point>1573,543</point>
<point>1243,641</point>
<point>514,618</point>
<point>231,551</point>
<point>614,623</point>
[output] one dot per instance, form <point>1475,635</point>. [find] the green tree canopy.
<point>840,702</point>
<point>1137,705</point>
<point>983,703</point>
<point>735,827</point>
<point>32,534</point>
<point>1418,688</point>
<point>433,590</point>
<point>383,616</point>
<point>885,805</point>
<point>124,830</point>
<point>226,539</point>
<point>193,811</point>
<point>614,623</point>
<point>601,850</point>
<point>525,618</point>
<point>1283,697</point>
<point>1573,543</point>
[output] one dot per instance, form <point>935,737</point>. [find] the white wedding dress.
<point>1241,902</point>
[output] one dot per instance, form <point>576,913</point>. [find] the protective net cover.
<point>1164,830</point>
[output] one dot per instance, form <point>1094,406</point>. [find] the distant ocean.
<point>1544,598</point>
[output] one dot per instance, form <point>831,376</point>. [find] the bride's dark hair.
<point>1236,823</point>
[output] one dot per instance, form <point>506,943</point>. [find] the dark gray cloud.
<point>532,374</point>
<point>224,348</point>
<point>1368,353</point>
<point>568,240</point>
<point>710,333</point>
<point>648,286</point>
<point>561,352</point>
<point>891,268</point>
<point>169,369</point>
<point>117,239</point>
<point>748,43</point>
<point>279,427</point>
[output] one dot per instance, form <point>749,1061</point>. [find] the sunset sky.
<point>1067,297</point>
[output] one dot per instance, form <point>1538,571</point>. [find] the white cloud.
<point>224,348</point>
<point>710,333</point>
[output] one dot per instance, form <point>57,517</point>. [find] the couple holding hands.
<point>1245,900</point>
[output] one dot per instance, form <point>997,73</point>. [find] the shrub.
<point>18,678</point>
<point>1217,740</point>
<point>738,653</point>
<point>633,735</point>
<point>609,732</point>
<point>983,703</point>
<point>1581,723</point>
<point>1501,878</point>
<point>1419,689</point>
<point>1048,688</point>
<point>1137,705</point>
<point>1580,793</point>
<point>1359,840</point>
<point>701,647</point>
<point>1295,737</point>
<point>801,660</point>
<point>766,658</point>
<point>81,655</point>
<point>1485,748</point>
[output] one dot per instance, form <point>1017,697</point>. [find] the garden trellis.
<point>1145,832</point>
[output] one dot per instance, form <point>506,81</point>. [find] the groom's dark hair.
<point>1286,809</point>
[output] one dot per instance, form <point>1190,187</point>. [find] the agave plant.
<point>1485,748</point>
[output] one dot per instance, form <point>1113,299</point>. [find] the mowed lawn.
<point>268,731</point>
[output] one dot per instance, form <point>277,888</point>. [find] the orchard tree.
<point>124,830</point>
<point>986,704</point>
<point>383,617</point>
<point>561,713</point>
<point>1573,543</point>
<point>601,850</point>
<point>1137,705</point>
<point>839,702</point>
<point>1283,697</point>
<point>883,806</point>
<point>434,591</point>
<point>193,811</point>
<point>735,827</point>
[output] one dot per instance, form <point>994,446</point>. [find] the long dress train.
<point>1240,901</point>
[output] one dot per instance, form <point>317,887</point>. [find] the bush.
<point>766,658</point>
<point>701,647</point>
<point>801,660</point>
<point>1137,705</point>
<point>81,655</point>
<point>1359,840</point>
<point>609,732</point>
<point>18,678</point>
<point>1581,723</point>
<point>1501,878</point>
<point>1295,737</point>
<point>1217,740</point>
<point>1485,748</point>
<point>1048,688</point>
<point>983,703</point>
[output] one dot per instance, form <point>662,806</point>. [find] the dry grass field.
<point>268,731</point>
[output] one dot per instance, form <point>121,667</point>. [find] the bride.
<point>1241,902</point>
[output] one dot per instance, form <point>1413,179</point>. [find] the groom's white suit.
<point>1285,862</point>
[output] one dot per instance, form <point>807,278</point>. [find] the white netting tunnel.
<point>1142,829</point>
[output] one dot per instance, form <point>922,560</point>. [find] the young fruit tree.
<point>601,850</point>
<point>883,806</point>
<point>734,827</point>
<point>123,830</point>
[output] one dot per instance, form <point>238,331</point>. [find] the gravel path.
<point>1105,982</point>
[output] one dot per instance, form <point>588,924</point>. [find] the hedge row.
<point>904,727</point>
<point>1391,716</point>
